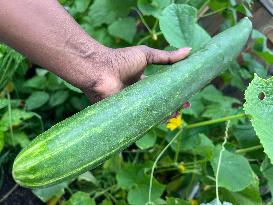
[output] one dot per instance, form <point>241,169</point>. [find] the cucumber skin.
<point>86,139</point>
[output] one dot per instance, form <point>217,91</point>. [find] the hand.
<point>118,68</point>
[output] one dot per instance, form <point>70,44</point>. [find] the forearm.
<point>49,36</point>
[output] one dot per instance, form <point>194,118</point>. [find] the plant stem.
<point>203,10</point>
<point>219,163</point>
<point>10,118</point>
<point>157,159</point>
<point>213,12</point>
<point>177,148</point>
<point>8,193</point>
<point>210,122</point>
<point>249,149</point>
<point>147,38</point>
<point>143,20</point>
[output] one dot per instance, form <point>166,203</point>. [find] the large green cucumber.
<point>86,139</point>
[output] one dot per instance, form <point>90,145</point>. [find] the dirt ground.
<point>20,196</point>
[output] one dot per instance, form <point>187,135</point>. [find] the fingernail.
<point>185,50</point>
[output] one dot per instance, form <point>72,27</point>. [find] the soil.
<point>20,196</point>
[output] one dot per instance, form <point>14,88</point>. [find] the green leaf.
<point>260,47</point>
<point>58,98</point>
<point>71,87</point>
<point>245,135</point>
<point>235,171</point>
<point>153,7</point>
<point>21,138</point>
<point>124,28</point>
<point>129,175</point>
<point>17,117</point>
<point>138,194</point>
<point>267,170</point>
<point>88,177</point>
<point>108,11</point>
<point>133,178</point>
<point>210,93</point>
<point>3,103</point>
<point>254,65</point>
<point>219,105</point>
<point>45,194</point>
<point>106,202</point>
<point>249,196</point>
<point>36,100</point>
<point>80,6</point>
<point>197,106</point>
<point>80,198</point>
<point>259,104</point>
<point>9,62</point>
<point>147,141</point>
<point>183,31</point>
<point>199,144</point>
<point>2,141</point>
<point>242,8</point>
<point>38,82</point>
<point>177,201</point>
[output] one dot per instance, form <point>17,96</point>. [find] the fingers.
<point>155,56</point>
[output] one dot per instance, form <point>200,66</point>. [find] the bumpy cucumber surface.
<point>86,139</point>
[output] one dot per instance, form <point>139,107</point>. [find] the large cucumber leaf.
<point>235,172</point>
<point>179,26</point>
<point>259,104</point>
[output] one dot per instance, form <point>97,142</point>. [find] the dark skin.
<point>45,33</point>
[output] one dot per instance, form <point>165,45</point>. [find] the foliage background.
<point>33,99</point>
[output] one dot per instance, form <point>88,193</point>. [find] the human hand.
<point>118,68</point>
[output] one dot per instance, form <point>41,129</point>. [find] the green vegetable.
<point>86,139</point>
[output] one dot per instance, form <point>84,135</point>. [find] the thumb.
<point>155,56</point>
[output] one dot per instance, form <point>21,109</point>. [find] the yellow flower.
<point>175,122</point>
<point>10,87</point>
<point>194,202</point>
<point>181,167</point>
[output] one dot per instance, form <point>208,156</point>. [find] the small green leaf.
<point>9,63</point>
<point>147,141</point>
<point>3,103</point>
<point>129,175</point>
<point>58,98</point>
<point>80,6</point>
<point>138,194</point>
<point>183,31</point>
<point>89,177</point>
<point>17,117</point>
<point>20,138</point>
<point>254,65</point>
<point>80,198</point>
<point>45,194</point>
<point>235,171</point>
<point>106,202</point>
<point>36,100</point>
<point>267,170</point>
<point>153,7</point>
<point>124,28</point>
<point>249,196</point>
<point>108,11</point>
<point>199,144</point>
<point>259,104</point>
<point>260,47</point>
<point>38,82</point>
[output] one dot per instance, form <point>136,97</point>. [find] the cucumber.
<point>89,137</point>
